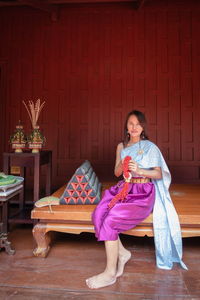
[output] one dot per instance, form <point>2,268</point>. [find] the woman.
<point>147,191</point>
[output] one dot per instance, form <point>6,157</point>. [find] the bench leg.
<point>42,238</point>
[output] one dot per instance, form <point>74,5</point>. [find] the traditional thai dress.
<point>141,200</point>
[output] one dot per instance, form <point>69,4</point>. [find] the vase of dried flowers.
<point>18,139</point>
<point>36,139</point>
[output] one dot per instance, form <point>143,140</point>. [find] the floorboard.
<point>73,258</point>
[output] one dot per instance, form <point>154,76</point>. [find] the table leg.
<point>36,191</point>
<point>6,164</point>
<point>49,176</point>
<point>4,243</point>
<point>21,195</point>
<point>5,217</point>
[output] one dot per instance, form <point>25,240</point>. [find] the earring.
<point>143,135</point>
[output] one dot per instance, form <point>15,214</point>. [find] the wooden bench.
<point>77,218</point>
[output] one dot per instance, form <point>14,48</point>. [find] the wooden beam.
<point>140,4</point>
<point>89,1</point>
<point>2,3</point>
<point>50,5</point>
<point>53,2</point>
<point>42,5</point>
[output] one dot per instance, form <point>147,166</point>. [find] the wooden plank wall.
<point>94,65</point>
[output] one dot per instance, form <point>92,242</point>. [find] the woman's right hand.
<point>118,163</point>
<point>133,166</point>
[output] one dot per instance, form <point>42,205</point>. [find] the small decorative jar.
<point>18,139</point>
<point>36,140</point>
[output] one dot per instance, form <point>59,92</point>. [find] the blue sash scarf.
<point>167,231</point>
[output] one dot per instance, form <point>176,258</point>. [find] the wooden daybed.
<point>77,218</point>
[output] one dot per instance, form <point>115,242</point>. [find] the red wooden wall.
<point>94,65</point>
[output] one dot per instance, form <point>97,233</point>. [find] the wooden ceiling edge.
<point>43,6</point>
<point>140,3</point>
<point>57,2</point>
<point>90,1</point>
<point>51,6</point>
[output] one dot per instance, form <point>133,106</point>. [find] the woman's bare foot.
<point>123,259</point>
<point>100,280</point>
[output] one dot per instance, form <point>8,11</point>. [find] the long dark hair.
<point>142,119</point>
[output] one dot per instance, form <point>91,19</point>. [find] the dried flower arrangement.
<point>35,110</point>
<point>35,140</point>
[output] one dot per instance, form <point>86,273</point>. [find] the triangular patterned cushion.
<point>83,188</point>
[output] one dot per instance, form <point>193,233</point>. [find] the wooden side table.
<point>4,243</point>
<point>30,160</point>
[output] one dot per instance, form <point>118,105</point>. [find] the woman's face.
<point>133,126</point>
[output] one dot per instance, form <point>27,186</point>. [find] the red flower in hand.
<point>124,191</point>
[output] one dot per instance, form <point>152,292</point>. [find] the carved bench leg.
<point>42,238</point>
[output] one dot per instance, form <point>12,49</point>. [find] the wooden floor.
<point>73,258</point>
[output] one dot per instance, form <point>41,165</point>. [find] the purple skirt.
<point>137,206</point>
